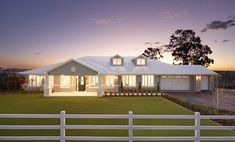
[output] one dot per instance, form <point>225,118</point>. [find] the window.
<point>148,80</point>
<point>32,80</point>
<point>111,80</point>
<point>64,81</point>
<point>117,61</point>
<point>93,81</point>
<point>129,80</point>
<point>40,80</point>
<point>36,80</point>
<point>140,61</point>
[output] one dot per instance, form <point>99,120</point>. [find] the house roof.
<point>102,65</point>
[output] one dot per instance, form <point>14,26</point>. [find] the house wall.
<point>156,81</point>
<point>192,83</point>
<point>138,81</point>
<point>204,83</point>
<point>67,70</point>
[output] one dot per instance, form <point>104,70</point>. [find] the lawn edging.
<point>204,110</point>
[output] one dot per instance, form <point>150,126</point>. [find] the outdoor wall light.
<point>198,77</point>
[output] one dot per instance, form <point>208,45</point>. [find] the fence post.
<point>197,127</point>
<point>130,130</point>
<point>62,126</point>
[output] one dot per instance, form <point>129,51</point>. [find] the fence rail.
<point>130,127</point>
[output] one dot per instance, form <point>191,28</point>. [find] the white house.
<point>92,75</point>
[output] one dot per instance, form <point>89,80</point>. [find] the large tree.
<point>187,49</point>
<point>153,53</point>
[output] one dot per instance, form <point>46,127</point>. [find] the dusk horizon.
<point>39,33</point>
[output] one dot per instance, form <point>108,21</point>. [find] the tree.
<point>153,53</point>
<point>187,49</point>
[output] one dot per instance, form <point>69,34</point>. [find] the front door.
<point>82,83</point>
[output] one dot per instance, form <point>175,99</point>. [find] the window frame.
<point>141,62</point>
<point>117,61</point>
<point>111,80</point>
<point>129,80</point>
<point>36,80</point>
<point>147,81</point>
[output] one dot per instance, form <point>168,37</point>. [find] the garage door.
<point>174,83</point>
<point>204,83</point>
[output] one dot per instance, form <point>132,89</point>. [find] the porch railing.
<point>130,127</point>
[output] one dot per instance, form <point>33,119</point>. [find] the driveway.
<point>226,98</point>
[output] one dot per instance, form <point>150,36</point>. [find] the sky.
<point>36,33</point>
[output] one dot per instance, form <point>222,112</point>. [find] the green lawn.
<point>36,103</point>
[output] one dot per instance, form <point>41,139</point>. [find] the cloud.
<point>102,20</point>
<point>172,15</point>
<point>216,25</point>
<point>106,20</point>
<point>150,44</point>
<point>226,40</point>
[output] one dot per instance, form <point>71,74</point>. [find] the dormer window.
<point>117,60</point>
<point>141,61</point>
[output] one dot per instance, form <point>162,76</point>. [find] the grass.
<point>36,104</point>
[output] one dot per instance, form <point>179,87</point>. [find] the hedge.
<point>204,110</point>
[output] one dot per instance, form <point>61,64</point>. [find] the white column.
<point>46,88</point>
<point>100,89</point>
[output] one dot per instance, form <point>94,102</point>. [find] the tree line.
<point>11,82</point>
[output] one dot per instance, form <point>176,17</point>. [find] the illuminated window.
<point>148,80</point>
<point>36,80</point>
<point>93,81</point>
<point>129,80</point>
<point>32,80</point>
<point>117,61</point>
<point>64,81</point>
<point>40,80</point>
<point>111,80</point>
<point>140,61</point>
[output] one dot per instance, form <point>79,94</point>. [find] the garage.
<point>174,83</point>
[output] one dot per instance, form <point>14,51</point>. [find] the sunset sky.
<point>35,33</point>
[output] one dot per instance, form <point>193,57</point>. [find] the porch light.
<point>198,77</point>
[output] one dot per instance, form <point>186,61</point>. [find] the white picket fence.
<point>130,127</point>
